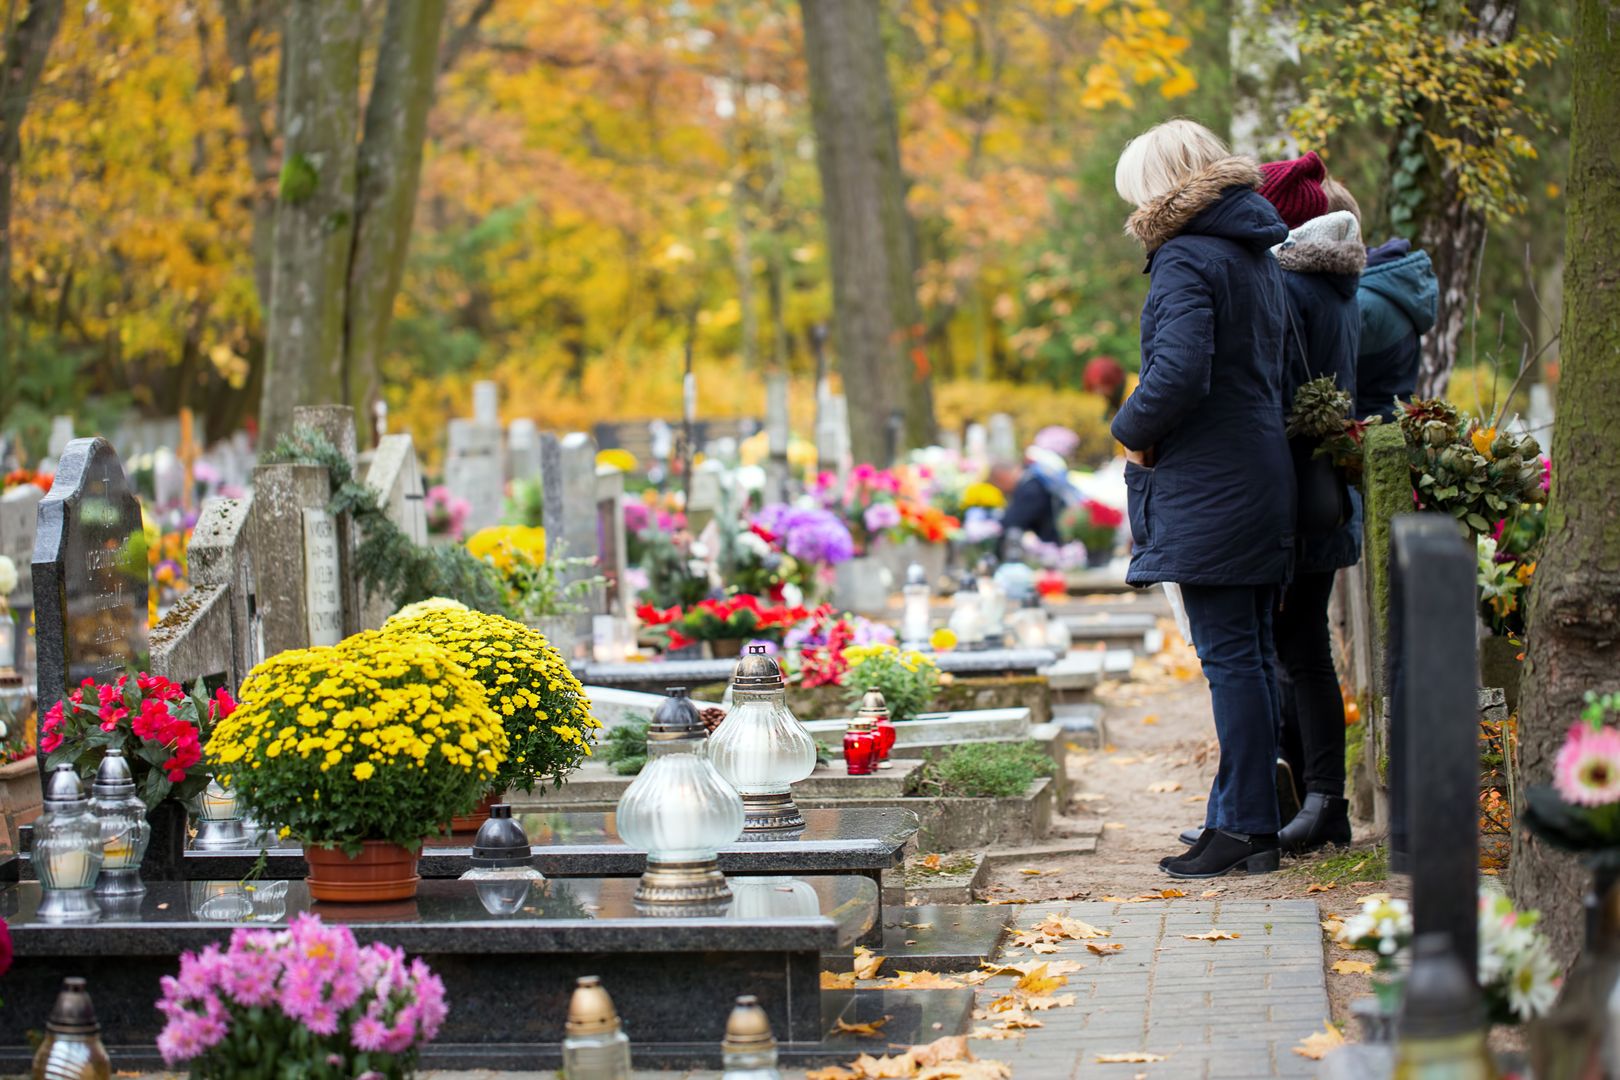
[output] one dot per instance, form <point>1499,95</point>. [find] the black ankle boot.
<point>1227,853</point>
<point>1196,846</point>
<point>1323,820</point>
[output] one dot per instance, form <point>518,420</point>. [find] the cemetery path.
<point>1147,783</point>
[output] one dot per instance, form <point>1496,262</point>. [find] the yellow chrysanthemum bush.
<point>546,715</point>
<point>381,737</point>
<point>909,679</point>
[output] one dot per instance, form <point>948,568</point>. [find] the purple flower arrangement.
<point>809,534</point>
<point>308,997</point>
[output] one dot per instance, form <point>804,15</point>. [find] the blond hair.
<point>1339,198</point>
<point>1164,155</point>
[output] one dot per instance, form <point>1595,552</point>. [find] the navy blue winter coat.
<point>1322,261</point>
<point>1398,298</point>
<point>1217,507</point>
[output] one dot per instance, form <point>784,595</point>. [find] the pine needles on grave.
<point>387,562</point>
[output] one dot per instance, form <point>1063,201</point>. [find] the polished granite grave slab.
<point>852,840</point>
<point>657,674</point>
<point>673,976</point>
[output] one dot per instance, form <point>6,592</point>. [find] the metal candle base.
<point>120,881</point>
<point>771,813</point>
<point>679,883</point>
<point>68,905</point>
<point>220,835</point>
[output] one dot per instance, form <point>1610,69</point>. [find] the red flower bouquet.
<point>159,727</point>
<point>1092,523</point>
<point>733,618</point>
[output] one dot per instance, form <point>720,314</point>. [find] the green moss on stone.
<point>298,179</point>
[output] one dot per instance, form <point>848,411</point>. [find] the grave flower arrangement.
<point>446,513</point>
<point>159,727</point>
<point>813,537</point>
<point>909,680</point>
<point>1093,524</point>
<point>382,737</point>
<point>1461,467</point>
<point>307,1001</point>
<point>542,707</point>
<point>822,641</point>
<point>1580,810</point>
<point>734,618</point>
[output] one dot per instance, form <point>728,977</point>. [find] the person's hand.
<point>1143,458</point>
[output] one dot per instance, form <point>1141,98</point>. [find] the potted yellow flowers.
<point>360,750</point>
<point>546,715</point>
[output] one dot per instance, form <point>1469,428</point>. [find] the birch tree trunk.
<point>1263,49</point>
<point>314,231</point>
<point>27,42</point>
<point>869,235</point>
<point>1451,232</point>
<point>1573,638</point>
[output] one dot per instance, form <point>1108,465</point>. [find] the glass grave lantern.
<point>502,862</point>
<point>860,746</point>
<point>219,819</point>
<point>124,829</point>
<point>875,708</point>
<point>748,1051</point>
<point>761,748</point>
<point>595,1046</point>
<point>967,616</point>
<point>992,603</point>
<point>680,810</point>
<point>1027,625</point>
<point>67,850</point>
<point>916,619</point>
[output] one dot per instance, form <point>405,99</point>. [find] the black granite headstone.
<point>1434,727</point>
<point>89,573</point>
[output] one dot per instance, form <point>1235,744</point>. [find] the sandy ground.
<point>1147,784</point>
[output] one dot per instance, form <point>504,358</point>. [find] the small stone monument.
<point>570,511</point>
<point>89,569</point>
<point>523,450</point>
<point>474,464</point>
<point>1003,438</point>
<point>213,633</point>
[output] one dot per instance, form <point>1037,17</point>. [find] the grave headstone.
<point>168,478</point>
<point>396,476</point>
<point>976,443</point>
<point>323,595</point>
<point>1434,727</point>
<point>569,507</point>
<point>19,513</point>
<point>473,470</point>
<point>89,565</point>
<point>486,398</point>
<point>281,494</point>
<point>1003,439</point>
<point>523,450</point>
<point>336,424</point>
<point>611,545</point>
<point>778,434</point>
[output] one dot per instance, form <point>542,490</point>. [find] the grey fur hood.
<point>1330,244</point>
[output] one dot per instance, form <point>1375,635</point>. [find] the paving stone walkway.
<point>1217,1010</point>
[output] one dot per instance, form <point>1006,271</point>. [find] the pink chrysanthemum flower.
<point>1588,768</point>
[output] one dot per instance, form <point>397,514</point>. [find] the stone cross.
<point>523,450</point>
<point>89,572</point>
<point>474,470</point>
<point>1434,726</point>
<point>396,477</point>
<point>213,633</point>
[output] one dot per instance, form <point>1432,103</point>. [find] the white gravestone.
<point>1003,439</point>
<point>323,599</point>
<point>473,469</point>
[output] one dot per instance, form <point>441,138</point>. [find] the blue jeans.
<point>1231,627</point>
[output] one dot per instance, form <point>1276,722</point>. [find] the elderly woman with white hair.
<point>1210,480</point>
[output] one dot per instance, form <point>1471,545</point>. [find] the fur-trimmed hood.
<point>1330,244</point>
<point>1155,223</point>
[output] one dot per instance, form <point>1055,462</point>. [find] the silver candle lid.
<point>62,788</point>
<point>114,779</point>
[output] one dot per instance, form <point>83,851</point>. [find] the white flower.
<point>1532,984</point>
<point>753,544</point>
<point>8,578</point>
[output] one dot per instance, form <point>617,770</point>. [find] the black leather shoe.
<point>1288,793</point>
<point>1191,836</point>
<point>1227,854</point>
<point>1199,843</point>
<point>1323,820</point>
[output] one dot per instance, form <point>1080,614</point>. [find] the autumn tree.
<point>30,27</point>
<point>1447,80</point>
<point>1575,605</point>
<point>346,197</point>
<point>869,234</point>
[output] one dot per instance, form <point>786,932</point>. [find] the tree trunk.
<point>26,45</point>
<point>390,166</point>
<point>1263,50</point>
<point>315,208</point>
<point>1573,636</point>
<point>243,18</point>
<point>869,235</point>
<point>1451,232</point>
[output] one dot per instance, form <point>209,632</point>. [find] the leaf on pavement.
<point>1044,948</point>
<point>1317,886</point>
<point>1213,934</point>
<point>1042,1002</point>
<point>866,963</point>
<point>1101,949</point>
<point>872,1028</point>
<point>1164,787</point>
<point>1316,1046</point>
<point>922,980</point>
<point>1353,967</point>
<point>1040,981</point>
<point>1137,1057</point>
<point>839,981</point>
<point>1030,873</point>
<point>929,862</point>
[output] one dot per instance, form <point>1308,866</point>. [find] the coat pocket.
<point>1139,493</point>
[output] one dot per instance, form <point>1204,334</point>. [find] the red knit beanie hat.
<point>1295,188</point>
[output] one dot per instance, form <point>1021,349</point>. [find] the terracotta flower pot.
<point>726,648</point>
<point>480,814</point>
<point>382,871</point>
<point>21,798</point>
